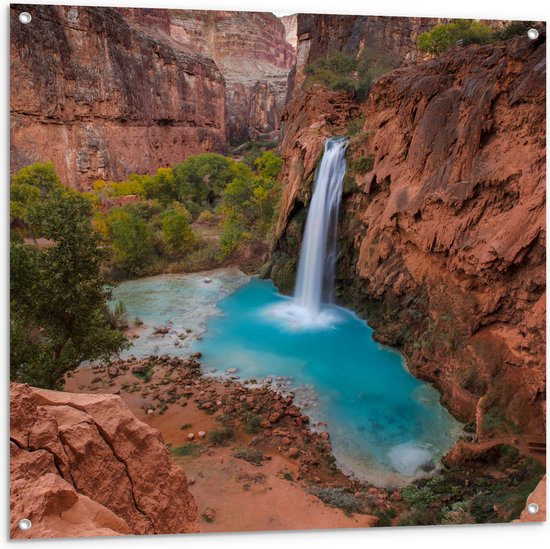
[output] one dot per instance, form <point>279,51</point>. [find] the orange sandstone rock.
<point>84,465</point>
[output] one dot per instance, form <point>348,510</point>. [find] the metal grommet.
<point>25,524</point>
<point>532,34</point>
<point>533,508</point>
<point>25,17</point>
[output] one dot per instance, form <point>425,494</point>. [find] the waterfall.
<point>315,281</point>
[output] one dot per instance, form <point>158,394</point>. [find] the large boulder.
<point>84,465</point>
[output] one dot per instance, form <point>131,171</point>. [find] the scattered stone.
<point>191,481</point>
<point>190,436</point>
<point>161,330</point>
<point>202,434</point>
<point>230,371</point>
<point>293,452</point>
<point>209,515</point>
<point>150,411</point>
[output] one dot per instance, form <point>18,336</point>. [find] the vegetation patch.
<point>250,455</point>
<point>192,450</point>
<point>221,437</point>
<point>338,497</point>
<point>463,32</point>
<point>354,74</point>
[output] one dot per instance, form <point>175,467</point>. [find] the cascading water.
<point>315,280</point>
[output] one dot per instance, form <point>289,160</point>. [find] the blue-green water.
<point>385,424</point>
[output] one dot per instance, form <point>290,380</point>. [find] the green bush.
<point>460,32</point>
<point>514,28</point>
<point>354,74</point>
<point>202,178</point>
<point>250,455</point>
<point>338,497</point>
<point>132,241</point>
<point>252,424</point>
<point>420,516</point>
<point>221,437</point>
<point>58,297</point>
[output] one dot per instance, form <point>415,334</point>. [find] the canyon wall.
<point>251,51</point>
<point>107,92</point>
<point>442,233</point>
<point>84,465</point>
<point>102,99</point>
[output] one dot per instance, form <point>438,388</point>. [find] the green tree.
<point>176,231</point>
<point>58,296</point>
<point>202,178</point>
<point>132,241</point>
<point>269,165</point>
<point>28,187</point>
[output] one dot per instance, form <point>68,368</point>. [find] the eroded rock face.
<point>102,99</point>
<point>443,224</point>
<point>84,465</point>
<point>105,92</point>
<point>254,57</point>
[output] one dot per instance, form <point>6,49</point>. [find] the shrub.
<point>221,437</point>
<point>420,516</point>
<point>190,449</point>
<point>356,126</point>
<point>362,165</point>
<point>206,257</point>
<point>514,28</point>
<point>354,74</point>
<point>338,497</point>
<point>147,375</point>
<point>252,424</point>
<point>206,217</point>
<point>460,32</point>
<point>250,455</point>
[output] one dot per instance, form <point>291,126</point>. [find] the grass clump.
<point>221,437</point>
<point>250,455</point>
<point>190,449</point>
<point>252,424</point>
<point>147,375</point>
<point>340,498</point>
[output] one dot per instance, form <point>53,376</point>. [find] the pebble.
<point>202,434</point>
<point>190,436</point>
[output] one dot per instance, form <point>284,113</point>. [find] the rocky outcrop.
<point>105,92</point>
<point>102,99</point>
<point>84,465</point>
<point>443,224</point>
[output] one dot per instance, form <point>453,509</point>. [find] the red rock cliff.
<point>106,92</point>
<point>443,222</point>
<point>102,99</point>
<point>84,465</point>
